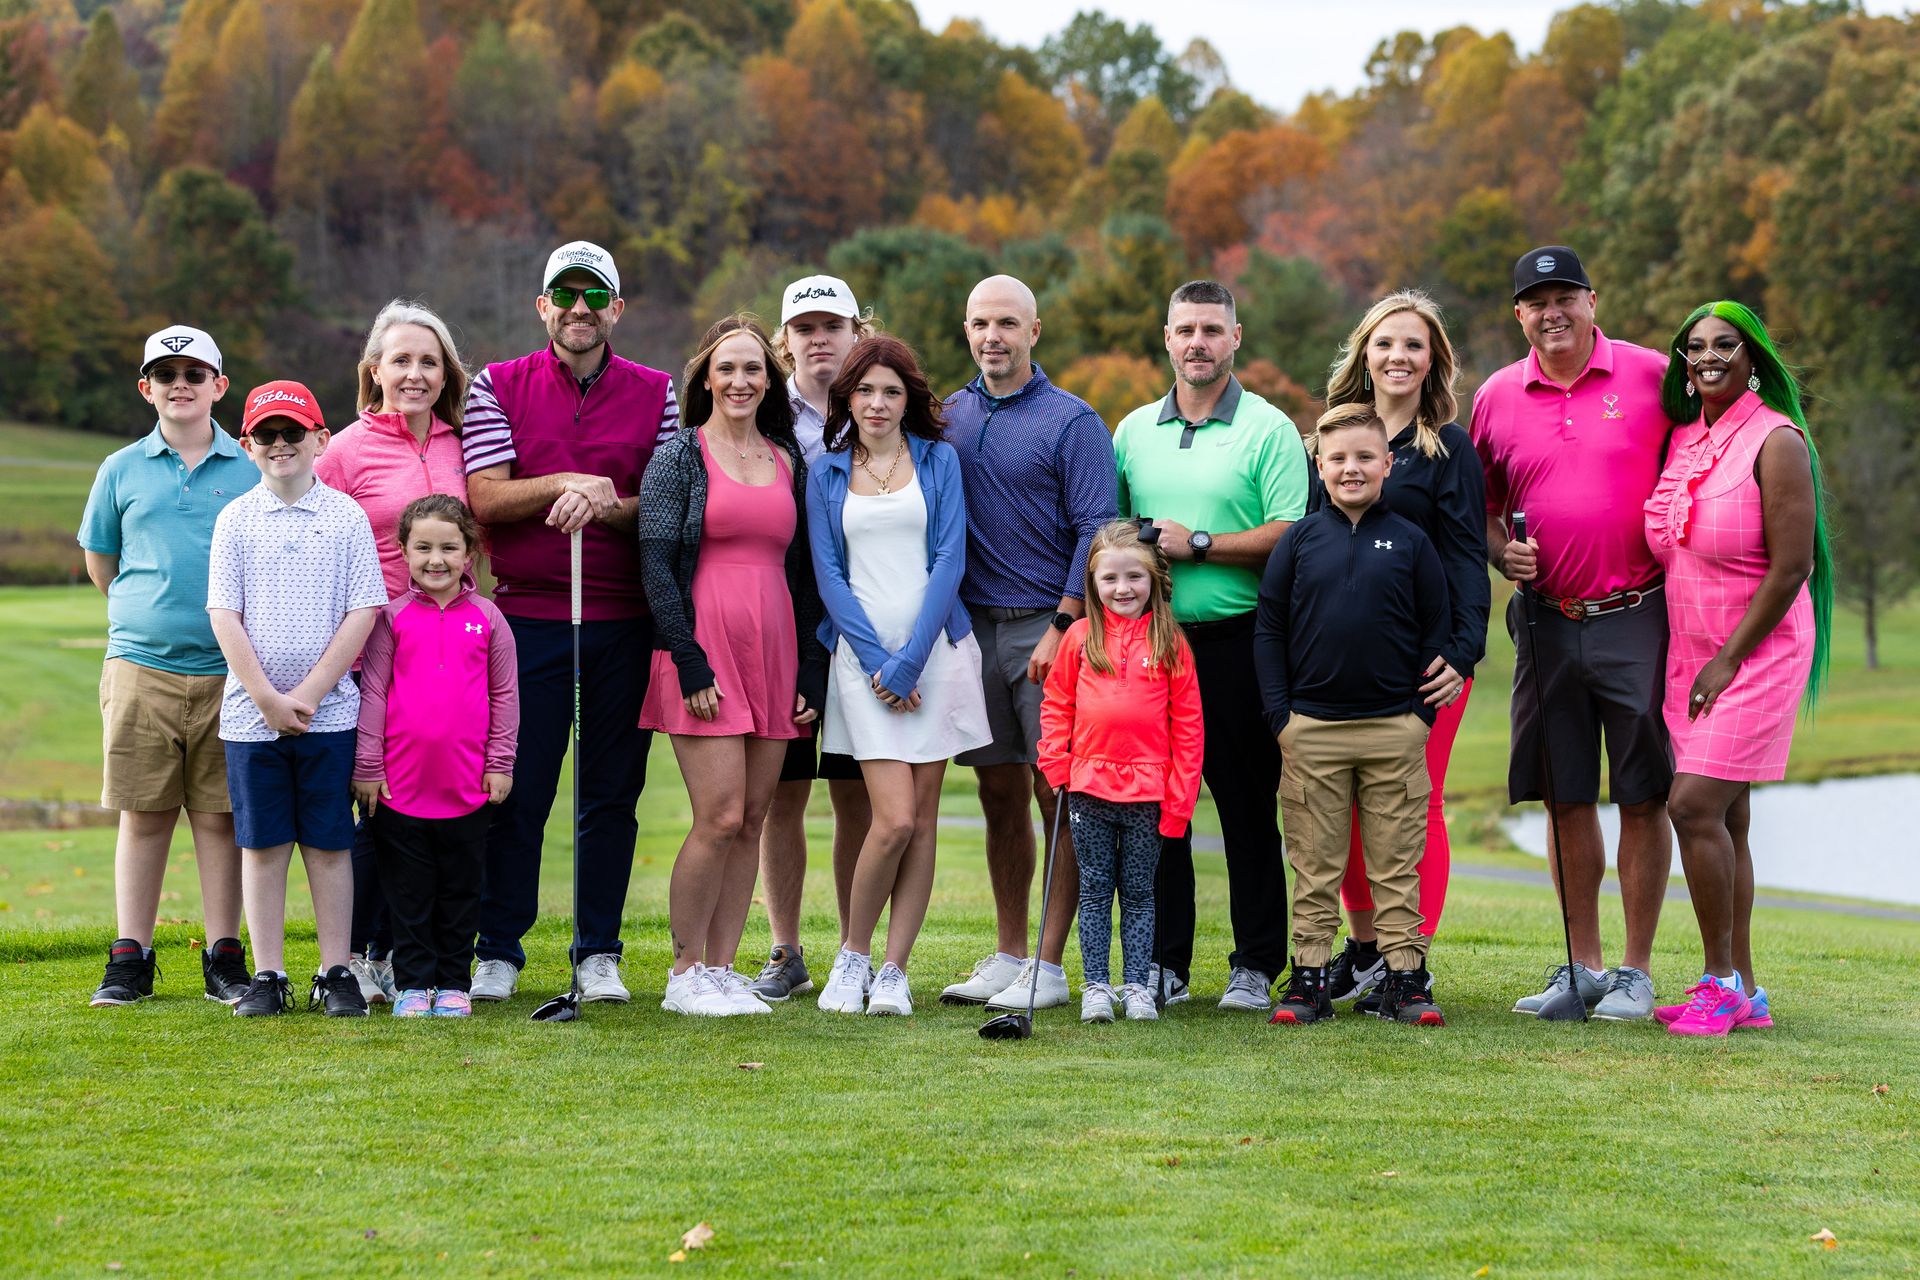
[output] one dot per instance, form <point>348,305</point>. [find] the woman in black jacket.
<point>737,668</point>
<point>1399,359</point>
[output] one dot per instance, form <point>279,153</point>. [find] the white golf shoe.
<point>846,989</point>
<point>890,994</point>
<point>739,991</point>
<point>495,980</point>
<point>598,978</point>
<point>697,992</point>
<point>1051,994</point>
<point>989,978</point>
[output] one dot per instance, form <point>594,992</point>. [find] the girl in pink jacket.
<point>439,718</point>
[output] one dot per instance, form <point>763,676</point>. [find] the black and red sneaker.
<point>1306,999</point>
<point>131,969</point>
<point>1407,996</point>
<point>224,968</point>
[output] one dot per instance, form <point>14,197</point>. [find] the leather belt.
<point>1619,602</point>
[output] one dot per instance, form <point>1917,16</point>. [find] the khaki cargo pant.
<point>1328,765</point>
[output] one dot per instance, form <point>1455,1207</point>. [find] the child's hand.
<point>285,713</point>
<point>497,784</point>
<point>370,793</point>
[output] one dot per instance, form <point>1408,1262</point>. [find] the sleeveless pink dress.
<point>1704,525</point>
<point>742,613</point>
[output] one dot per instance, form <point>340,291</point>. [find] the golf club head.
<point>564,1007</point>
<point>1566,1006</point>
<point>1008,1026</point>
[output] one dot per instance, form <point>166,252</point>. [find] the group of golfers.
<point>804,563</point>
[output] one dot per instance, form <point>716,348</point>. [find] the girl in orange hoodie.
<point>1120,731</point>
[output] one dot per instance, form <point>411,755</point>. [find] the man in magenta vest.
<point>556,441</point>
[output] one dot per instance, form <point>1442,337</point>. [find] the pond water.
<point>1854,837</point>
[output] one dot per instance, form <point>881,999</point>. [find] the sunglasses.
<point>273,435</point>
<point>597,299</point>
<point>163,375</point>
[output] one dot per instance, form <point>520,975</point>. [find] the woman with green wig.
<point>1737,521</point>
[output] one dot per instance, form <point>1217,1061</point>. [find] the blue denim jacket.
<point>938,469</point>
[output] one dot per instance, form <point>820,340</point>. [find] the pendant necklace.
<point>885,482</point>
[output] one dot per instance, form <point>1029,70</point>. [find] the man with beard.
<point>1222,473</point>
<point>557,441</point>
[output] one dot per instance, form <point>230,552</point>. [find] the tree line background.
<point>275,170</point>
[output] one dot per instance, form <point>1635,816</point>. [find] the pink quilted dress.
<point>1704,526</point>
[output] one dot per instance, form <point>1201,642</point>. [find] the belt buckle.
<point>1631,599</point>
<point>1573,607</point>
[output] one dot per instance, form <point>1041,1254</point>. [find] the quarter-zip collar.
<point>395,424</point>
<point>468,585</point>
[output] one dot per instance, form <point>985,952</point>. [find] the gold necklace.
<point>886,483</point>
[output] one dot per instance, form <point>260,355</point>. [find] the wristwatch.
<point>1062,620</point>
<point>1201,542</point>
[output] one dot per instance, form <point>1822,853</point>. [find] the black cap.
<point>1549,263</point>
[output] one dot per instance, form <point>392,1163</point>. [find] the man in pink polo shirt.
<point>1573,436</point>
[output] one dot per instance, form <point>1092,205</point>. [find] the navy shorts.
<point>295,789</point>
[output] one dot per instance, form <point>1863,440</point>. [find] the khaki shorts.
<point>162,733</point>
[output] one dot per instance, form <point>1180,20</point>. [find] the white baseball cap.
<point>818,293</point>
<point>581,255</point>
<point>181,340</point>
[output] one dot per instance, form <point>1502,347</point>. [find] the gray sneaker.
<point>784,974</point>
<point>1591,989</point>
<point>1629,997</point>
<point>1248,989</point>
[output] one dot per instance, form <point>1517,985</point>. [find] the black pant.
<point>371,934</point>
<point>433,870</point>
<point>1242,773</point>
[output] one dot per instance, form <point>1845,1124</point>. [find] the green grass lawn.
<point>45,473</point>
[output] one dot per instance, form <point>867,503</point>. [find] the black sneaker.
<point>224,967</point>
<point>1306,999</point>
<point>1370,1003</point>
<point>268,994</point>
<point>1407,996</point>
<point>131,970</point>
<point>1355,971</point>
<point>337,994</point>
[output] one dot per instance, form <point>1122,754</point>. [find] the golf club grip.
<point>574,553</point>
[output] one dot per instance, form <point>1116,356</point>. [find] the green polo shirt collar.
<point>1223,411</point>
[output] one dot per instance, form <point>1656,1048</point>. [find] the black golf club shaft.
<point>1546,766</point>
<point>1046,894</point>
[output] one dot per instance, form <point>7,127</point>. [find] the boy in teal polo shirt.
<point>1223,473</point>
<point>146,534</point>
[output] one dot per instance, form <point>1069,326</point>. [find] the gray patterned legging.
<point>1109,834</point>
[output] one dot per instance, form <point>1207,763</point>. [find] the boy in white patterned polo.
<point>293,586</point>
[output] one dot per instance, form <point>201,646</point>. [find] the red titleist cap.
<point>282,400</point>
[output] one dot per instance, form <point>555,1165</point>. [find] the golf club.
<point>1568,1005</point>
<point>1019,1026</point>
<point>565,1007</point>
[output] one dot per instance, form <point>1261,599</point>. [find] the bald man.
<point>1037,463</point>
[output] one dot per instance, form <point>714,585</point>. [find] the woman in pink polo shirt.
<point>1737,522</point>
<point>405,445</point>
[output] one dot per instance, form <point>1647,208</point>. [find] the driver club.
<point>565,1007</point>
<point>1019,1026</point>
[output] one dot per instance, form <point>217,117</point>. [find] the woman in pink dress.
<point>1737,523</point>
<point>737,669</point>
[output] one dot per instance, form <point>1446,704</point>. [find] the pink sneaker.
<point>1759,1014</point>
<point>452,1004</point>
<point>1712,1010</point>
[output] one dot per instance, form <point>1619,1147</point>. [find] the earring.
<point>1753,382</point>
<point>1366,379</point>
<point>1689,390</point>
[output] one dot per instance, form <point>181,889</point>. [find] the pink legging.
<point>1438,858</point>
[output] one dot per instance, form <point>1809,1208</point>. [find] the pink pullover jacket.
<point>439,704</point>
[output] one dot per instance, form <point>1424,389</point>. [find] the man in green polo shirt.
<point>1222,473</point>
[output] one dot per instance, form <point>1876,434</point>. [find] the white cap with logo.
<point>181,340</point>
<point>581,255</point>
<point>818,293</point>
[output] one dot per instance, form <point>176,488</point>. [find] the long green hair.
<point>1780,391</point>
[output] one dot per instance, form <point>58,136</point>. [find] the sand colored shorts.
<point>162,733</point>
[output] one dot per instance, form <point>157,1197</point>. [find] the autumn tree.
<point>1029,138</point>
<point>103,92</point>
<point>1104,68</point>
<point>917,281</point>
<point>1872,465</point>
<point>1116,297</point>
<point>63,350</point>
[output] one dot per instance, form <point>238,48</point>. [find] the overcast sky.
<point>1277,50</point>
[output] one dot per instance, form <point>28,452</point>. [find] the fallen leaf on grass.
<point>116,1266</point>
<point>1881,1090</point>
<point>1389,1173</point>
<point>696,1236</point>
<point>79,872</point>
<point>678,1255</point>
<point>1172,1162</point>
<point>1486,1270</point>
<point>749,1066</point>
<point>194,944</point>
<point>1246,1142</point>
<point>1826,1238</point>
<point>368,1234</point>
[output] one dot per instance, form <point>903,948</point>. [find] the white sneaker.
<point>890,993</point>
<point>1052,992</point>
<point>739,991</point>
<point>368,973</point>
<point>697,992</point>
<point>988,979</point>
<point>1248,989</point>
<point>1096,1002</point>
<point>1139,1002</point>
<point>495,980</point>
<point>846,989</point>
<point>598,977</point>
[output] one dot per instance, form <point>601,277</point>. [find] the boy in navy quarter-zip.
<point>1353,607</point>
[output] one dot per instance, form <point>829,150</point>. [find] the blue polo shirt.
<point>157,516</point>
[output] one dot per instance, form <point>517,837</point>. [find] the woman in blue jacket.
<point>888,524</point>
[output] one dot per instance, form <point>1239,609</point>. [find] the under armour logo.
<point>1379,543</point>
<point>474,628</point>
<point>177,343</point>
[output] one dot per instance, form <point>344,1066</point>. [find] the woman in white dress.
<point>888,524</point>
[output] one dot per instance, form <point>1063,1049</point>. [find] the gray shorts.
<point>1013,701</point>
<point>1603,676</point>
